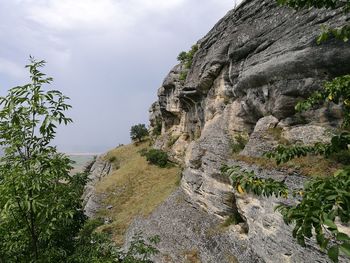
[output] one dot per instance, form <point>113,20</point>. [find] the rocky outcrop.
<point>251,68</point>
<point>188,234</point>
<point>91,199</point>
<point>246,77</point>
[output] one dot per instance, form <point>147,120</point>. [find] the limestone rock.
<point>91,199</point>
<point>263,138</point>
<point>249,72</point>
<point>308,134</point>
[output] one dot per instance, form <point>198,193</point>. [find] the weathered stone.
<point>307,134</point>
<point>263,138</point>
<point>185,230</point>
<point>91,199</point>
<point>248,74</point>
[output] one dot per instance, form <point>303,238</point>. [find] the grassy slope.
<point>135,189</point>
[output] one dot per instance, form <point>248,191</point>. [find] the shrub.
<point>95,247</point>
<point>172,140</point>
<point>156,157</point>
<point>157,130</point>
<point>89,165</point>
<point>238,143</point>
<point>186,58</point>
<point>112,159</point>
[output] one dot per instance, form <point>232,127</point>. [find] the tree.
<point>138,132</point>
<point>40,207</point>
<point>324,202</point>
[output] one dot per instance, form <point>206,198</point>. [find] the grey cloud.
<point>110,71</point>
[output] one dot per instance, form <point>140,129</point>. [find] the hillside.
<point>133,188</point>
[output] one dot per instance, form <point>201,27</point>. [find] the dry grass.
<point>309,165</point>
<point>192,256</point>
<point>135,189</point>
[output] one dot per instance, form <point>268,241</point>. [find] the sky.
<point>108,56</point>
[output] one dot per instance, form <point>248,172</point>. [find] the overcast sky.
<point>108,56</point>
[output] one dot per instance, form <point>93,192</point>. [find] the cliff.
<point>245,79</point>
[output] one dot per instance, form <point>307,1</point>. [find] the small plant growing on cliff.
<point>138,132</point>
<point>157,130</point>
<point>186,59</point>
<point>94,247</point>
<point>238,143</point>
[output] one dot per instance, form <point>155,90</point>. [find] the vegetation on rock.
<point>186,59</point>
<point>238,143</point>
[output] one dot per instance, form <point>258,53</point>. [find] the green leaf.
<point>342,237</point>
<point>333,253</point>
<point>345,248</point>
<point>330,224</point>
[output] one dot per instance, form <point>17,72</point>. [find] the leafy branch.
<point>283,153</point>
<point>246,181</point>
<point>323,203</point>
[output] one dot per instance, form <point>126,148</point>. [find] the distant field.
<point>80,161</point>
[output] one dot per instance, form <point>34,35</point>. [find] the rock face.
<point>91,200</point>
<point>246,77</point>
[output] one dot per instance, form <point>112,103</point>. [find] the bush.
<point>157,130</point>
<point>172,140</point>
<point>156,157</point>
<point>95,247</point>
<point>89,165</point>
<point>186,59</point>
<point>238,143</point>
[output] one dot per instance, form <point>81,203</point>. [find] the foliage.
<point>89,165</point>
<point>41,215</point>
<point>96,247</point>
<point>284,153</point>
<point>139,251</point>
<point>40,206</point>
<point>341,33</point>
<point>157,130</point>
<point>138,132</point>
<point>156,157</point>
<point>186,59</point>
<point>336,91</point>
<point>324,202</point>
<point>238,143</point>
<point>298,4</point>
<point>246,181</point>
<point>172,140</point>
<point>183,75</point>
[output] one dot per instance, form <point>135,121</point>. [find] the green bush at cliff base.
<point>156,157</point>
